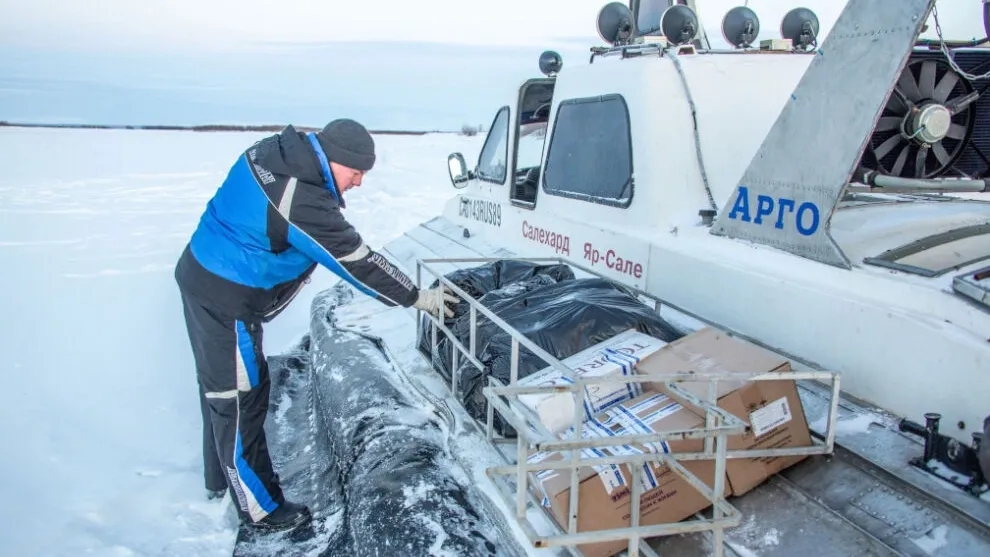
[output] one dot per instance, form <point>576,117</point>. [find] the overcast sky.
<point>192,61</point>
<point>232,24</point>
<point>220,25</point>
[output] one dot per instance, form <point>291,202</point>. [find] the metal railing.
<point>532,436</point>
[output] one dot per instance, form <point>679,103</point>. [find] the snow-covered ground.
<point>99,424</point>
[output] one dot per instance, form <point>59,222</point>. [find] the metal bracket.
<point>960,463</point>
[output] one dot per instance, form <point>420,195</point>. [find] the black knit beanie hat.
<point>348,143</point>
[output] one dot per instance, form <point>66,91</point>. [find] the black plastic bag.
<point>490,283</point>
<point>478,281</point>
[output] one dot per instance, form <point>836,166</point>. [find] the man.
<point>272,221</point>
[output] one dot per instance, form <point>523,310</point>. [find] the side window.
<point>590,153</point>
<point>492,162</point>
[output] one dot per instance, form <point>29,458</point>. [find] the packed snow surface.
<point>100,426</point>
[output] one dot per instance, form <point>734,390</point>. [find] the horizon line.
<point>210,128</point>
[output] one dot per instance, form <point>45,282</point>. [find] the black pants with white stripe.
<point>233,388</point>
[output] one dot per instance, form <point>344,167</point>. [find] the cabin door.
<point>532,116</point>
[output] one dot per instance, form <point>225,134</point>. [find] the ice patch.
<point>284,404</point>
<point>741,550</point>
<point>858,424</point>
<point>752,536</point>
<point>437,547</point>
<point>415,495</point>
<point>933,540</point>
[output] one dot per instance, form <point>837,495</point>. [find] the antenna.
<point>800,25</point>
<point>615,23</point>
<point>740,26</point>
<point>679,24</point>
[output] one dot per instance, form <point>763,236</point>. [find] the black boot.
<point>288,516</point>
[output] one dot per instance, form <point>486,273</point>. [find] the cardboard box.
<point>617,355</point>
<point>605,496</point>
<point>772,408</point>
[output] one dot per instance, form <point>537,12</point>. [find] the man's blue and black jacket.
<point>275,217</point>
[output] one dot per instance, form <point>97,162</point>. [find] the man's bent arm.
<point>322,233</point>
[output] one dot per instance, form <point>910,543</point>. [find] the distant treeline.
<point>204,128</point>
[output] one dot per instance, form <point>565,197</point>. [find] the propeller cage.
<point>927,122</point>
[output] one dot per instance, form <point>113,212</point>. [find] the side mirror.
<point>459,173</point>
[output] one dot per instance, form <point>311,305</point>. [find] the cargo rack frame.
<point>533,437</point>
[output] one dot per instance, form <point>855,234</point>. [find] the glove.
<point>433,299</point>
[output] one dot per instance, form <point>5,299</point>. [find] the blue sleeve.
<point>317,228</point>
